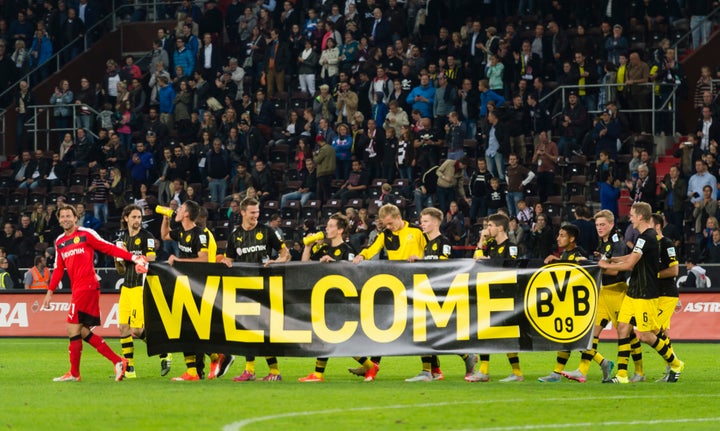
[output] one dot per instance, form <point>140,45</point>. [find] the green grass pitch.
<point>30,400</point>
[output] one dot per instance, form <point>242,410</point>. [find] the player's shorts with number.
<point>609,302</point>
<point>666,308</point>
<point>643,310</point>
<point>85,307</point>
<point>130,307</point>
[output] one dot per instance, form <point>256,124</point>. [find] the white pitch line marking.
<point>239,425</point>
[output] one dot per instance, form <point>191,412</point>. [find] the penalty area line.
<point>239,425</point>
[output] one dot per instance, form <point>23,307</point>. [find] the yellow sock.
<point>128,349</point>
<point>636,354</point>
<point>426,363</point>
<point>484,364</point>
<point>367,364</point>
<point>562,358</point>
<point>191,364</point>
<point>514,360</point>
<point>214,357</point>
<point>272,365</point>
<point>250,366</point>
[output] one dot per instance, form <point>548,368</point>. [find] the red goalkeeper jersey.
<point>75,253</point>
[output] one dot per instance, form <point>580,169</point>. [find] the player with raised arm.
<point>193,247</point>
<point>332,249</point>
<point>75,251</point>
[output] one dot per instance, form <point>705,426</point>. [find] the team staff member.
<point>251,243</point>
<point>641,300</point>
<point>332,249</point>
<point>437,248</point>
<point>75,251</point>
<point>495,244</point>
<point>131,316</point>
<point>37,277</point>
<point>400,241</point>
<point>193,247</point>
<point>669,295</point>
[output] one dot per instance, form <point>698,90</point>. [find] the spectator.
<point>325,160</point>
<point>182,56</point>
<point>698,181</point>
<point>85,219</point>
<point>704,209</point>
<point>140,166</point>
<point>707,130</point>
<point>496,197</point>
<point>699,22</point>
<point>673,192</point>
<point>278,59</point>
<point>518,177</point>
<point>422,97</point>
<point>643,189</point>
<point>263,182</point>
<point>307,64</point>
<point>450,185</point>
<point>638,74</point>
<point>99,191</point>
<point>497,145</point>
<point>703,84</point>
<point>541,242</point>
<point>62,96</point>
<point>714,248</point>
<point>37,277</point>
<point>356,184</point>
<point>6,279</point>
<point>573,123</point>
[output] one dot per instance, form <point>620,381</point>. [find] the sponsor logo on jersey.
<point>72,252</point>
<point>252,249</point>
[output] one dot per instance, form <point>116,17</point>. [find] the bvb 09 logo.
<point>561,302</point>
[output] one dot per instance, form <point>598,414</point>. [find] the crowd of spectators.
<point>318,106</point>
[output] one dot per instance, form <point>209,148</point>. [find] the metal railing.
<point>57,61</point>
<point>685,39</point>
<point>39,123</point>
<point>658,103</point>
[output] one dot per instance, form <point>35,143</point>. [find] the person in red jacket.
<point>75,250</point>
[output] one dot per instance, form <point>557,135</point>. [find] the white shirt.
<point>705,142</point>
<point>208,56</point>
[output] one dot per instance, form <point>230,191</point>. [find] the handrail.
<point>47,109</point>
<point>687,35</point>
<point>671,99</point>
<point>56,57</point>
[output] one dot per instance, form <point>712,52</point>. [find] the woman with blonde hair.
<point>117,190</point>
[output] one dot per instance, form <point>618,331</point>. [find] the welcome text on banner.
<point>377,307</point>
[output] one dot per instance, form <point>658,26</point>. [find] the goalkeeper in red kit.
<point>75,250</point>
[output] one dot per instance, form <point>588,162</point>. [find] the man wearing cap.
<point>606,134</point>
